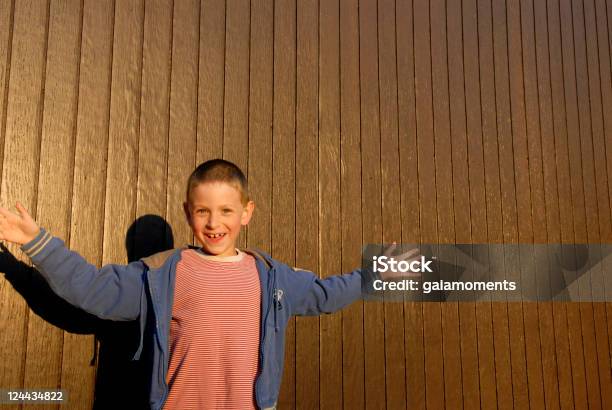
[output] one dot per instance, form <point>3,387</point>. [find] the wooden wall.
<point>468,121</point>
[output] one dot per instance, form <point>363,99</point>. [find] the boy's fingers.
<point>404,256</point>
<point>389,250</point>
<point>22,211</point>
<point>408,254</point>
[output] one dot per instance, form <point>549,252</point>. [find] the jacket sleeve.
<point>112,292</point>
<point>314,295</point>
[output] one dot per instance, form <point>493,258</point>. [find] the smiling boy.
<point>217,206</point>
<point>212,319</point>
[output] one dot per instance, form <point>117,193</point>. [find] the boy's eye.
<point>227,211</point>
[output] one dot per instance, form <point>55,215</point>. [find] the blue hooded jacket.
<point>144,290</point>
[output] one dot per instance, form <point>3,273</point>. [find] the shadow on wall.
<point>119,380</point>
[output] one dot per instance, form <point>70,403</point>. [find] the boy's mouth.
<point>214,235</point>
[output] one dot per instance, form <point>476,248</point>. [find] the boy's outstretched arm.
<point>112,292</point>
<point>330,294</point>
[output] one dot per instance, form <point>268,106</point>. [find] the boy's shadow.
<point>120,382</point>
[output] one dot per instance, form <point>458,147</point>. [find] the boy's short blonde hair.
<point>219,170</point>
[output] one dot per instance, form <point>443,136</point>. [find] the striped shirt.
<point>214,333</point>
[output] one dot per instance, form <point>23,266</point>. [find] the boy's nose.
<point>212,221</point>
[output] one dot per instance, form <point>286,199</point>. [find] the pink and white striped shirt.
<point>214,333</point>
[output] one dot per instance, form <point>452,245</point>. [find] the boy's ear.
<point>187,213</point>
<point>247,213</point>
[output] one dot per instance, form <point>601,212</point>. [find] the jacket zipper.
<point>163,359</point>
<point>157,331</point>
<point>263,334</point>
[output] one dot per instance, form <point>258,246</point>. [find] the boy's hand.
<point>17,228</point>
<point>408,256</point>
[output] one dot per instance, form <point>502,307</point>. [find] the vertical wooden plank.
<point>577,195</point>
<point>154,115</point>
<point>531,310</point>
<point>489,121</point>
<point>6,40</point>
<point>565,232</point>
<point>116,374</point>
<point>473,122</point>
<point>444,196</point>
<point>307,160</point>
<point>370,196</point>
<point>353,376</point>
<point>595,88</point>
<point>609,13</point>
<point>44,345</point>
<point>91,154</point>
<point>478,199</point>
<point>599,62</point>
<point>503,120</point>
<point>395,371</point>
<point>183,113</point>
<point>236,101</point>
<point>122,166</point>
<point>424,129</point>
<point>498,311</point>
<point>283,172</point>
<point>409,181</point>
<point>605,74</point>
<point>605,69</point>
<point>604,234</point>
<point>260,122</point>
<point>589,334</point>
<point>211,80</point>
<point>151,192</point>
<point>461,198</point>
<point>520,387</point>
<point>236,94</point>
<point>20,167</point>
<point>432,320</point>
<point>261,101</point>
<point>551,205</point>
<point>330,233</point>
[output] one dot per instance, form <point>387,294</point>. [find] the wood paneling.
<point>88,197</point>
<point>414,349</point>
<point>371,206</point>
<point>154,109</point>
<point>353,361</point>
<point>20,170</point>
<point>356,122</point>
<point>330,232</point>
<point>395,364</point>
<point>183,120</point>
<point>565,231</point>
<point>211,80</point>
<point>283,164</point>
<point>236,101</point>
<point>260,122</point>
<point>577,196</point>
<point>43,366</point>
<point>307,345</point>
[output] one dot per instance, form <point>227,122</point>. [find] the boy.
<point>212,319</point>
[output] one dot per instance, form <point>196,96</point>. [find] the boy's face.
<point>215,214</point>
